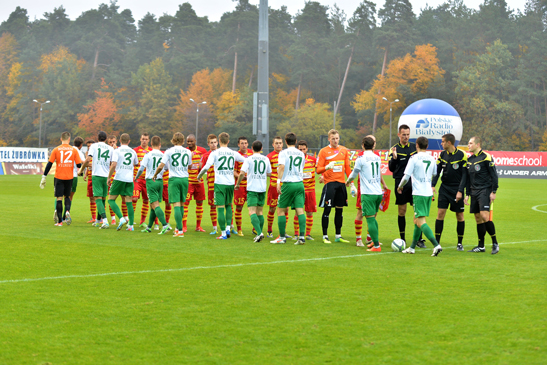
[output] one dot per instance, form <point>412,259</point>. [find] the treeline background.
<point>107,71</point>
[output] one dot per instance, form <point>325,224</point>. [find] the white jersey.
<point>177,160</point>
<point>102,156</point>
<point>257,167</point>
<point>150,162</point>
<point>126,159</point>
<point>82,158</point>
<point>223,159</point>
<point>369,168</point>
<point>293,160</point>
<point>421,167</point>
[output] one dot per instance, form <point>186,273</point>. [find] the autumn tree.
<point>102,114</point>
<point>8,57</point>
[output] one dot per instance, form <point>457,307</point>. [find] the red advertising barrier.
<point>524,165</point>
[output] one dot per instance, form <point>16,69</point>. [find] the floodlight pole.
<point>197,115</point>
<point>263,100</point>
<point>390,109</point>
<point>40,133</point>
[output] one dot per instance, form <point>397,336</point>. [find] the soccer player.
<point>65,157</point>
<point>272,189</point>
<point>223,159</point>
<point>177,160</point>
<point>421,168</point>
<point>240,195</point>
<point>196,188</point>
<point>113,142</point>
<point>292,194</point>
<point>399,155</point>
<point>453,163</point>
<point>368,168</point>
<point>101,154</point>
<point>332,163</point>
<point>123,163</point>
<point>154,189</point>
<point>310,203</point>
<point>140,184</point>
<point>88,178</point>
<point>358,204</point>
<point>212,142</point>
<point>482,185</point>
<point>257,168</point>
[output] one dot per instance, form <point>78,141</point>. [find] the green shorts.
<point>421,205</point>
<point>100,187</point>
<point>154,189</point>
<point>292,195</point>
<point>121,188</point>
<point>255,199</point>
<point>370,204</point>
<point>224,194</point>
<point>74,184</point>
<point>177,189</point>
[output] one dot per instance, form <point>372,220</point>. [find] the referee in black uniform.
<point>452,162</point>
<point>398,159</point>
<point>482,185</point>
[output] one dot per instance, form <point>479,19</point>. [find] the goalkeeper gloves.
<point>353,190</point>
<point>330,166</point>
<point>43,182</point>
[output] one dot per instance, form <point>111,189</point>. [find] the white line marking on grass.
<point>219,266</point>
<point>539,210</point>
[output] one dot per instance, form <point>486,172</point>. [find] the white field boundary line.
<point>539,210</point>
<point>219,266</point>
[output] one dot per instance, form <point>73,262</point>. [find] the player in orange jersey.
<point>140,184</point>
<point>212,142</point>
<point>273,195</point>
<point>65,157</point>
<point>240,195</point>
<point>333,163</point>
<point>196,189</point>
<point>310,203</point>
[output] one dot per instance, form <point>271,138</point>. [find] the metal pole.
<point>40,135</point>
<point>263,127</point>
<point>197,117</point>
<point>389,125</point>
<point>334,119</point>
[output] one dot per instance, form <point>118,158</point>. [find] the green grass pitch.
<point>80,295</point>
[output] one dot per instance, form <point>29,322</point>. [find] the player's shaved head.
<point>65,136</point>
<point>156,141</point>
<point>224,138</point>
<point>477,140</point>
<point>124,138</point>
<point>178,139</point>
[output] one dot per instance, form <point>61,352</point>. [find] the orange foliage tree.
<point>102,114</point>
<point>416,72</point>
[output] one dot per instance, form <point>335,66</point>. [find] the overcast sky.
<point>210,8</point>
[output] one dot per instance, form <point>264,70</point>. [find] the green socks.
<point>228,215</point>
<point>221,219</point>
<point>130,213</point>
<point>256,224</point>
<point>415,236</point>
<point>261,219</point>
<point>282,223</point>
<point>179,214</point>
<point>429,234</point>
<point>372,224</point>
<point>100,208</point>
<point>302,224</point>
<point>152,218</point>
<point>160,215</point>
<point>115,207</point>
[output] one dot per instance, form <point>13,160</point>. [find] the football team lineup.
<point>240,177</point>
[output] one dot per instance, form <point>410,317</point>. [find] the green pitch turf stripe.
<point>219,266</point>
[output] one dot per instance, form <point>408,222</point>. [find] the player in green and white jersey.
<point>154,188</point>
<point>123,162</point>
<point>257,168</point>
<point>176,159</point>
<point>223,159</point>
<point>290,171</point>
<point>421,168</point>
<point>101,153</point>
<point>368,168</point>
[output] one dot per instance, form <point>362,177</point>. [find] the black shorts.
<point>480,201</point>
<point>335,194</point>
<point>447,198</point>
<point>406,196</point>
<point>62,187</point>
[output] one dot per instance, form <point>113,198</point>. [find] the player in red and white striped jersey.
<point>196,189</point>
<point>212,142</point>
<point>240,195</point>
